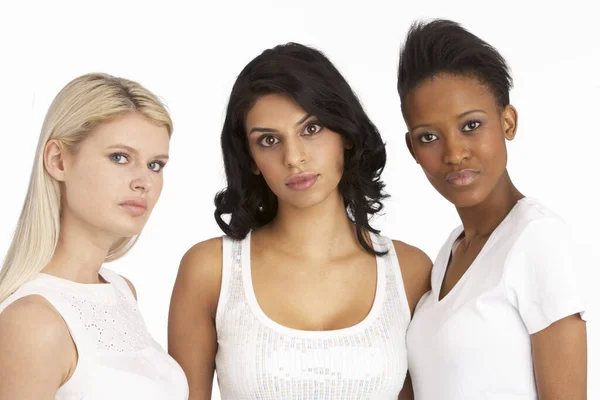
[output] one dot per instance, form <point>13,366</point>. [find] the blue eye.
<point>471,125</point>
<point>427,138</point>
<point>119,158</point>
<point>156,166</point>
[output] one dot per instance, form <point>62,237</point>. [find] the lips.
<point>135,207</point>
<point>302,181</point>
<point>462,178</point>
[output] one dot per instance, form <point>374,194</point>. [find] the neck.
<point>481,220</point>
<point>318,232</point>
<point>80,251</point>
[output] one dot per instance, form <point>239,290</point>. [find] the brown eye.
<point>312,129</point>
<point>268,141</point>
<point>427,138</point>
<point>471,126</point>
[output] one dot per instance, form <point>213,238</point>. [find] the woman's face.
<point>114,179</point>
<point>457,134</point>
<point>300,159</point>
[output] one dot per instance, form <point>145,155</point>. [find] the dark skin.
<point>455,124</point>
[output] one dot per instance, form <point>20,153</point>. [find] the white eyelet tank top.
<point>117,357</point>
<point>260,359</point>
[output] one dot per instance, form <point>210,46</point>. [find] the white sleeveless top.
<point>117,357</point>
<point>258,358</point>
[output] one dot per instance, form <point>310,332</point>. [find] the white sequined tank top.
<point>117,357</point>
<point>260,359</point>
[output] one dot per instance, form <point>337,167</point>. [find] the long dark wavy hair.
<point>310,79</point>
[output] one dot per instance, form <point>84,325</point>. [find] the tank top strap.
<point>395,290</point>
<point>231,276</point>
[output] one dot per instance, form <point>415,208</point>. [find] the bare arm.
<point>415,266</point>
<point>560,360</point>
<point>192,332</point>
<point>407,390</point>
<point>37,354</point>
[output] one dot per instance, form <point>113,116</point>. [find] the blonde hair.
<point>79,107</point>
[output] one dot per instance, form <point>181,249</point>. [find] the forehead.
<point>133,130</point>
<point>274,111</point>
<point>446,95</point>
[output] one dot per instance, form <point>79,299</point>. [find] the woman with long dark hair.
<point>302,298</point>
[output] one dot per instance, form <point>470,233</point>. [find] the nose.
<point>142,181</point>
<point>295,153</point>
<point>457,150</point>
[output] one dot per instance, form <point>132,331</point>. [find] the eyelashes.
<point>123,158</point>
<point>268,141</point>
<point>427,137</point>
<point>310,129</point>
<point>469,126</point>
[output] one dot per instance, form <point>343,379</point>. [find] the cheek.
<point>157,186</point>
<point>329,153</point>
<point>429,158</point>
<point>268,163</point>
<point>492,151</point>
<point>97,182</point>
<point>92,189</point>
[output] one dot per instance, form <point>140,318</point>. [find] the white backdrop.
<point>190,54</point>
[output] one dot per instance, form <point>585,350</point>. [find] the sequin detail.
<point>260,360</point>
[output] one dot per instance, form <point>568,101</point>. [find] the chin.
<point>127,229</point>
<point>465,199</point>
<point>305,200</point>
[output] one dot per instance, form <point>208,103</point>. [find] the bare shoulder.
<point>130,286</point>
<point>203,260</point>
<point>200,272</point>
<point>208,250</point>
<point>415,266</point>
<point>34,319</point>
<point>412,256</point>
<point>36,343</point>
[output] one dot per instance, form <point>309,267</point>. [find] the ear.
<point>254,168</point>
<point>54,160</point>
<point>409,145</point>
<point>348,144</point>
<point>510,119</point>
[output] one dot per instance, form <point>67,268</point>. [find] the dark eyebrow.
<point>262,130</point>
<point>421,126</point>
<point>270,130</point>
<point>304,119</point>
<point>132,150</point>
<point>459,116</point>
<point>469,112</point>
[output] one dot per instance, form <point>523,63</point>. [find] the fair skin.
<point>119,161</point>
<point>336,275</point>
<point>456,124</point>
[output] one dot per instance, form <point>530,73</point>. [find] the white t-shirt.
<point>475,343</point>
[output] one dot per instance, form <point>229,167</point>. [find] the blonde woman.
<point>69,328</point>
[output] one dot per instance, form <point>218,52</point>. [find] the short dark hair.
<point>311,80</point>
<point>443,46</point>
